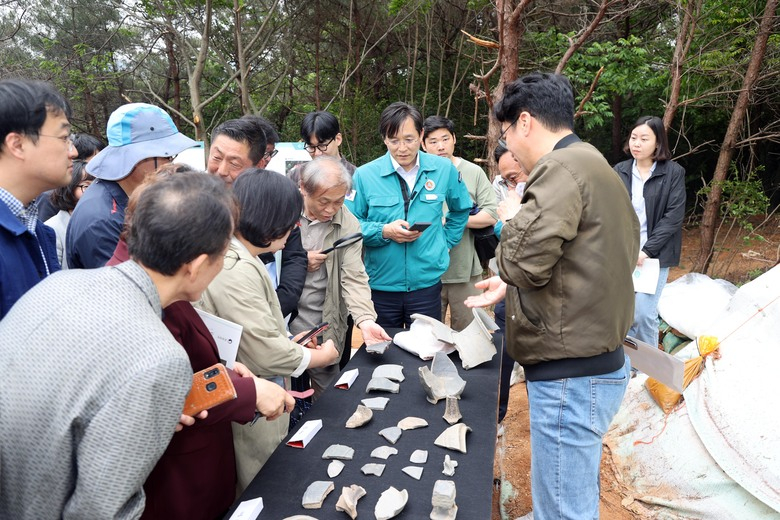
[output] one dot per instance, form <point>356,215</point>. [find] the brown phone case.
<point>210,387</point>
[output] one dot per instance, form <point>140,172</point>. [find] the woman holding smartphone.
<point>270,206</point>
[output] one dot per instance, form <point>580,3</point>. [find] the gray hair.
<point>315,174</point>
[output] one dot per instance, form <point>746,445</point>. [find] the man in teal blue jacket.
<point>393,193</point>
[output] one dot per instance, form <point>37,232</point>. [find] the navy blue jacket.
<point>664,195</point>
<point>95,226</point>
<point>21,263</point>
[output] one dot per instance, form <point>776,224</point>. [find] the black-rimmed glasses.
<point>501,140</point>
<point>270,155</point>
<point>321,147</point>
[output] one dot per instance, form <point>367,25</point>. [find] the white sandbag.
<point>691,303</point>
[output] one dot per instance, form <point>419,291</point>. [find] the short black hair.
<point>499,152</point>
<point>321,124</point>
<point>547,97</point>
<point>86,145</point>
<point>433,123</point>
<point>271,136</point>
<point>269,204</point>
<point>63,198</point>
<point>24,105</point>
<point>179,218</point>
<point>656,124</point>
<point>243,131</point>
<point>394,116</point>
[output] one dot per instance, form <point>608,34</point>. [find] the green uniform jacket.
<point>378,200</point>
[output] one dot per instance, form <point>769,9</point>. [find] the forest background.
<point>710,68</point>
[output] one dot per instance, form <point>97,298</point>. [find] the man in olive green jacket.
<point>340,288</point>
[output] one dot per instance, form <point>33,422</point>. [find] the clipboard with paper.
<point>657,364</point>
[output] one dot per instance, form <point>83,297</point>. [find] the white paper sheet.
<point>226,334</point>
<point>248,509</point>
<point>646,276</point>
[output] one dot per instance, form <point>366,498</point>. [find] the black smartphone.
<point>316,331</point>
<point>419,226</point>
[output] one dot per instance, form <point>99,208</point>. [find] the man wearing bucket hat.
<point>141,138</point>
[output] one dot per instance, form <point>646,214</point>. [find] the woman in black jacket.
<point>656,185</point>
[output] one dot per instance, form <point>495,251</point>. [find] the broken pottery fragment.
<point>362,415</point>
<point>425,337</point>
<point>452,410</point>
<point>392,434</point>
<point>378,348</point>
<point>299,517</point>
<point>373,469</point>
<point>419,457</point>
<point>390,503</point>
<point>475,342</point>
<point>413,471</point>
<point>334,468</point>
<point>442,379</point>
<point>382,384</point>
<point>453,438</point>
<point>349,499</point>
<point>339,451</point>
<point>315,494</point>
<point>384,452</point>
<point>391,372</point>
<point>449,466</point>
<point>443,500</point>
<point>412,423</point>
<point>376,403</point>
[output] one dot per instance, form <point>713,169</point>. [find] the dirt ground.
<point>737,260</point>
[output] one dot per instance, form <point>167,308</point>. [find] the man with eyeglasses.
<point>141,138</point>
<point>402,188</point>
<point>36,154</point>
<point>248,142</point>
<point>321,135</point>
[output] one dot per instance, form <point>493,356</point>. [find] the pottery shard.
<point>419,457</point>
<point>334,468</point>
<point>452,410</point>
<point>339,451</point>
<point>373,469</point>
<point>378,348</point>
<point>449,466</point>
<point>362,415</point>
<point>392,434</point>
<point>384,452</point>
<point>315,494</point>
<point>413,471</point>
<point>349,499</point>
<point>391,502</point>
<point>453,438</point>
<point>391,372</point>
<point>376,403</point>
<point>299,517</point>
<point>443,501</point>
<point>442,379</point>
<point>412,423</point>
<point>382,384</point>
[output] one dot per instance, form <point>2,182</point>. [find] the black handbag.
<point>485,242</point>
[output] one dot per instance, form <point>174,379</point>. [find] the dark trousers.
<point>394,309</point>
<point>507,363</point>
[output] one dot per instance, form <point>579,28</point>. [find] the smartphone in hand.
<point>419,226</point>
<point>210,387</point>
<point>316,331</point>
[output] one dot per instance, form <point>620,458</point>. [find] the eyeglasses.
<point>321,147</point>
<point>66,140</point>
<point>270,155</point>
<point>84,186</point>
<point>501,140</point>
<point>231,259</point>
<point>409,142</point>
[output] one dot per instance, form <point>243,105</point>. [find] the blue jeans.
<point>645,326</point>
<point>569,418</point>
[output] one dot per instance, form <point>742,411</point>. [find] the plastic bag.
<point>667,398</point>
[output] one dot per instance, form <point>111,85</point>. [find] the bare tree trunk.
<point>684,39</point>
<point>617,130</point>
<point>196,75</point>
<point>712,206</point>
<point>243,72</point>
<point>575,45</point>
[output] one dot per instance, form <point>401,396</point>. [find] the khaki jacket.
<point>348,291</point>
<point>569,253</point>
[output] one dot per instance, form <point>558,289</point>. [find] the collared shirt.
<point>409,176</point>
<point>26,215</point>
<point>638,200</point>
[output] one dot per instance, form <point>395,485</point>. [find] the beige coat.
<point>243,293</point>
